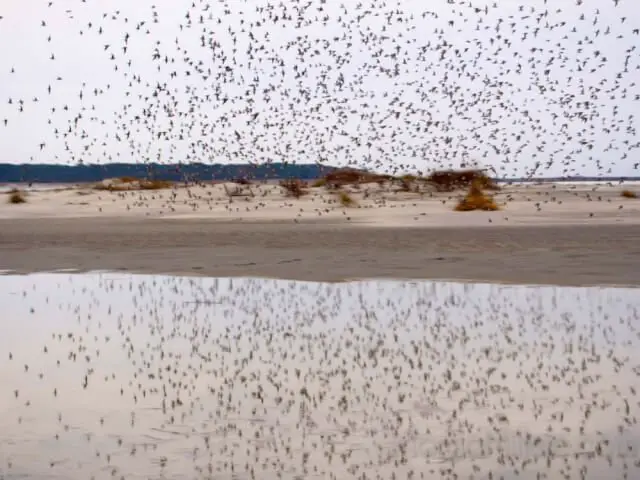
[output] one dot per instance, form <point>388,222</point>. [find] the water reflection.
<point>119,376</point>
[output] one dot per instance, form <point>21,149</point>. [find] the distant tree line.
<point>43,173</point>
<point>47,173</point>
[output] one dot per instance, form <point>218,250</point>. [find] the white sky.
<point>422,109</point>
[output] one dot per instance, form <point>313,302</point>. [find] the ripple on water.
<point>112,375</point>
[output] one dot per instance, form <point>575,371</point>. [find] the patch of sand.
<point>375,205</point>
<point>557,234</point>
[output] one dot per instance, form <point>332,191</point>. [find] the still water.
<point>131,376</point>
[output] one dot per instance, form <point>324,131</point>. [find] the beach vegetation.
<point>294,187</point>
<point>476,199</point>
<point>320,182</point>
<point>128,179</point>
<point>450,180</point>
<point>17,196</point>
<point>241,181</point>
<point>345,199</point>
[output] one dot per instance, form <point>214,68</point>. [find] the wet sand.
<point>329,250</point>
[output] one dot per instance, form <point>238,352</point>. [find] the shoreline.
<point>575,255</point>
<point>71,271</point>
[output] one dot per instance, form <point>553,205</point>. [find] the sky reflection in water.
<point>121,376</point>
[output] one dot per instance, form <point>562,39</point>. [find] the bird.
<point>409,112</point>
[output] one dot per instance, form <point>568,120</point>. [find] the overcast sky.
<point>520,86</point>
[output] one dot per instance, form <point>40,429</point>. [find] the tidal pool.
<point>131,376</point>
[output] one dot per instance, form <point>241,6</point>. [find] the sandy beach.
<point>548,234</point>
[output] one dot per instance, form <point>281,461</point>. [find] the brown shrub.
<point>348,176</point>
<point>449,180</point>
<point>294,188</point>
<point>407,182</point>
<point>320,182</point>
<point>155,184</point>
<point>110,188</point>
<point>408,178</point>
<point>16,196</point>
<point>475,199</point>
<point>128,179</point>
<point>241,181</point>
<point>345,199</point>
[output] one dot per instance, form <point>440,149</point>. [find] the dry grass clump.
<point>241,181</point>
<point>352,176</point>
<point>476,199</point>
<point>408,178</point>
<point>488,183</point>
<point>450,180</point>
<point>345,199</point>
<point>111,187</point>
<point>16,197</point>
<point>155,184</point>
<point>294,188</point>
<point>407,183</point>
<point>628,194</point>
<point>320,182</point>
<point>128,179</point>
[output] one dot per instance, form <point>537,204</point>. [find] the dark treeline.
<point>42,173</point>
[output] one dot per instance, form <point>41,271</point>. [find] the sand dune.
<point>553,234</point>
<point>373,205</point>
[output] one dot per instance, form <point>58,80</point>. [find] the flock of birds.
<point>206,378</point>
<point>528,89</point>
<point>113,376</point>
